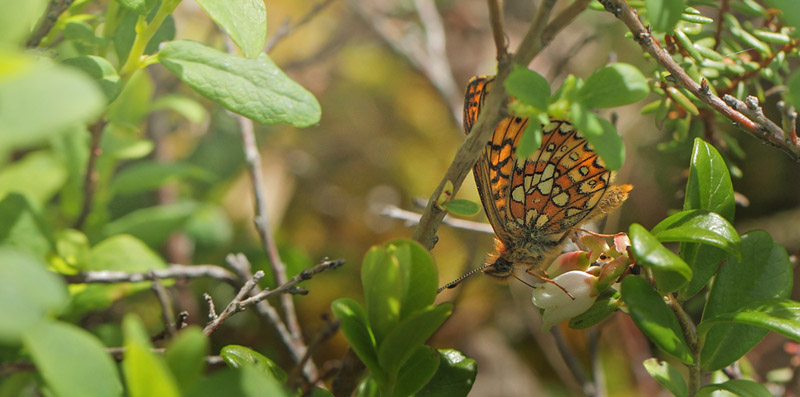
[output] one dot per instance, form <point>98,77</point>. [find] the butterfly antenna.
<point>457,281</point>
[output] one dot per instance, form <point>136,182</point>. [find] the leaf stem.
<point>689,332</point>
<point>144,32</point>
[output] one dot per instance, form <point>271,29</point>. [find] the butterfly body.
<point>532,203</point>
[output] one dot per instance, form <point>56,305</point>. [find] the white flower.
<point>557,305</point>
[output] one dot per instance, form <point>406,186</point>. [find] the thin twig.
<point>766,130</point>
<point>167,314</point>
<point>90,178</point>
<point>286,29</point>
<point>412,218</point>
<point>292,283</point>
<point>573,363</point>
<point>789,120</point>
<point>323,335</point>
<point>689,332</point>
<point>173,271</point>
<point>498,29</point>
<point>787,49</point>
<point>723,8</point>
<point>212,311</point>
<point>54,10</point>
<point>236,305</point>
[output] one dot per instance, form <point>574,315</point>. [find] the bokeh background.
<point>389,75</point>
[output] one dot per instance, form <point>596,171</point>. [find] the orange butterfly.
<point>533,203</point>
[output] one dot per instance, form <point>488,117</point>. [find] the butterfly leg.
<point>548,280</point>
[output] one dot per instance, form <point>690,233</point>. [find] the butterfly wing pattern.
<point>533,203</point>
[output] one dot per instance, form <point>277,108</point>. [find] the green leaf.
<point>16,21</point>
<point>793,94</point>
<point>150,175</point>
<point>778,315</point>
<point>39,176</point>
<point>72,361</point>
<point>418,276</point>
<point>664,14</point>
<point>240,356</point>
<point>699,226</point>
<point>255,88</point>
<point>454,377</point>
<point>411,333</point>
<point>125,34</point>
<point>245,382</point>
<point>528,86</point>
<point>417,371</point>
<point>738,387</point>
<point>614,85</point>
<point>462,207</point>
<point>245,21</point>
<point>380,275</point>
<point>709,188</point>
<point>39,101</point>
<point>669,270</point>
<point>140,7</point>
<point>668,376</point>
<point>186,107</point>
<point>186,356</point>
<point>133,103</point>
<point>654,318</point>
<point>73,247</point>
<point>126,253</point>
<point>22,227</point>
<point>602,135</point>
<point>531,140</point>
<point>28,293</point>
<point>153,225</point>
<point>355,328</point>
<point>145,373</point>
<point>762,272</point>
<point>101,71</point>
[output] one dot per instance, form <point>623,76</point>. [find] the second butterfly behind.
<point>532,204</point>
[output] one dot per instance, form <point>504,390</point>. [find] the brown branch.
<point>236,305</point>
<point>90,178</point>
<point>323,335</point>
<point>723,8</point>
<point>54,10</point>
<point>498,29</point>
<point>689,332</point>
<point>290,285</point>
<point>173,271</point>
<point>763,129</point>
<point>286,29</point>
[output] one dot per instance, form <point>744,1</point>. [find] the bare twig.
<point>212,311</point>
<point>90,178</point>
<point>54,10</point>
<point>167,314</point>
<point>764,130</point>
<point>498,29</point>
<point>236,305</point>
<point>429,59</point>
<point>723,8</point>
<point>286,29</point>
<point>412,218</point>
<point>690,333</point>
<point>789,120</point>
<point>323,335</point>
<point>292,283</point>
<point>173,271</point>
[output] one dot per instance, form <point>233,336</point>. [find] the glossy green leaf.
<point>528,86</point>
<point>738,387</point>
<point>22,227</point>
<point>39,101</point>
<point>664,14</point>
<point>146,374</point>
<point>380,278</point>
<point>669,270</point>
<point>368,387</point>
<point>245,21</point>
<point>101,71</point>
<point>762,272</point>
<point>699,226</point>
<point>255,88</point>
<point>240,356</point>
<point>462,207</point>
<point>530,141</point>
<point>186,356</point>
<point>777,315</point>
<point>668,376</point>
<point>454,377</point>
<point>654,318</point>
<point>418,276</point>
<point>355,328</point>
<point>28,293</point>
<point>601,134</point>
<point>614,85</point>
<point>72,361</point>
<point>709,188</point>
<point>417,371</point>
<point>411,333</point>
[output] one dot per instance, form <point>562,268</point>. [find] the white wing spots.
<point>573,211</point>
<point>588,186</point>
<point>542,220</point>
<point>574,156</point>
<point>583,170</point>
<point>550,127</point>
<point>560,199</point>
<point>545,186</point>
<point>567,128</point>
<point>548,171</point>
<point>518,194</point>
<point>526,181</point>
<point>551,147</point>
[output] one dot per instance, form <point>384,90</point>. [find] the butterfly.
<point>533,203</point>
